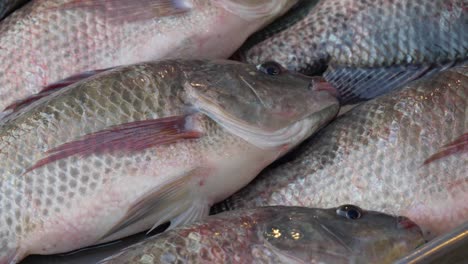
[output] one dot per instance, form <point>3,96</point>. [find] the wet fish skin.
<point>8,6</point>
<point>95,253</point>
<point>291,17</point>
<point>374,156</point>
<point>278,235</point>
<point>210,148</point>
<point>447,248</point>
<point>47,41</point>
<point>369,47</point>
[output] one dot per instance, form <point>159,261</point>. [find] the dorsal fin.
<point>460,145</point>
<point>356,84</point>
<point>120,11</point>
<point>46,90</point>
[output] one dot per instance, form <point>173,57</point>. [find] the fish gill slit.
<point>337,238</point>
<point>253,90</point>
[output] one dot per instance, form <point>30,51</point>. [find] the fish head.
<point>264,104</point>
<point>256,9</point>
<point>343,233</point>
<point>376,235</point>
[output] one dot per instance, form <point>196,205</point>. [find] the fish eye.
<point>349,211</point>
<point>270,68</point>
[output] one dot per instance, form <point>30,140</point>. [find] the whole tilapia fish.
<point>346,234</point>
<point>404,153</point>
<point>8,6</point>
<point>50,40</point>
<point>365,48</point>
<point>137,146</point>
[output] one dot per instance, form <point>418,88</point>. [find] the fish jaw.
<point>234,171</point>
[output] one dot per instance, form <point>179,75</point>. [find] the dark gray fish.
<point>365,48</point>
<point>289,235</point>
<point>8,6</point>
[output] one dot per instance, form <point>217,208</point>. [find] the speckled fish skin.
<point>47,41</point>
<point>278,235</point>
<point>367,37</point>
<point>76,201</point>
<point>373,157</point>
<point>8,6</point>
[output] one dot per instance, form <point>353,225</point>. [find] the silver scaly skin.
<point>365,47</point>
<point>281,235</point>
<point>381,155</point>
<point>46,41</point>
<point>200,130</point>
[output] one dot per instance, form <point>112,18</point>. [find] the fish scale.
<point>374,156</point>
<point>46,41</point>
<point>278,234</point>
<point>365,48</point>
<point>122,150</point>
<point>43,195</point>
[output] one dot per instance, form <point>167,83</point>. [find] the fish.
<point>8,6</point>
<point>447,248</point>
<point>365,48</point>
<point>403,153</point>
<point>281,234</point>
<point>133,147</point>
<point>47,41</point>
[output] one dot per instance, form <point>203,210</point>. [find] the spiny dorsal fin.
<point>119,11</point>
<point>360,84</point>
<point>46,90</point>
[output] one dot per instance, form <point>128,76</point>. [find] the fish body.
<point>8,6</point>
<point>47,41</point>
<point>279,235</point>
<point>137,146</point>
<point>366,48</point>
<point>403,153</point>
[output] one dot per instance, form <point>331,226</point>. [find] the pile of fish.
<point>322,131</point>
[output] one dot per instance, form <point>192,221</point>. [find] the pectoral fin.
<point>118,11</point>
<point>175,202</point>
<point>15,106</point>
<point>460,145</point>
<point>129,137</point>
